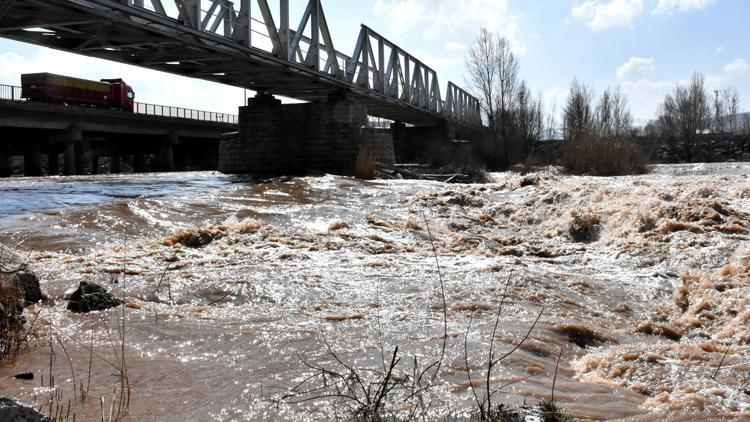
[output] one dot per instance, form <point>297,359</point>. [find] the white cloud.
<point>555,98</point>
<point>645,96</point>
<point>455,46</point>
<point>737,66</point>
<point>441,63</point>
<point>636,65</point>
<point>449,17</point>
<point>719,49</point>
<point>599,16</point>
<point>669,7</point>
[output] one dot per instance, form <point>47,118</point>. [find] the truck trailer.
<point>48,87</point>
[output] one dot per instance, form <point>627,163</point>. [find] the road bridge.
<point>250,44</point>
<point>167,138</point>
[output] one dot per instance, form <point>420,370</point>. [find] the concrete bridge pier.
<point>115,163</point>
<point>167,160</point>
<point>139,162</point>
<point>53,159</point>
<point>83,157</point>
<point>4,160</point>
<point>32,160</point>
<point>73,136</point>
<point>94,162</point>
<point>277,138</point>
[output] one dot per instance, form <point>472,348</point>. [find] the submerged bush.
<point>585,226</point>
<point>601,156</point>
<point>551,412</point>
<point>365,165</point>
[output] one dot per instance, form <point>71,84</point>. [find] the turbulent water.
<point>237,291</point>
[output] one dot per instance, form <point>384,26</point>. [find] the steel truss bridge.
<point>239,43</point>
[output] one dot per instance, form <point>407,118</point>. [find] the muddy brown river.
<point>237,291</point>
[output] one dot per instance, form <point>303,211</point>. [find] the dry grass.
<point>598,156</point>
<point>12,334</point>
<point>365,166</point>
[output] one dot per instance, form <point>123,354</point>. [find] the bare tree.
<point>482,66</point>
<point>528,116</point>
<point>652,129</point>
<point>578,115</point>
<point>512,114</point>
<point>508,84</point>
<point>731,100</point>
<point>612,117</point>
<point>686,112</point>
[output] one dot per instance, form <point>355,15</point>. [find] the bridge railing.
<point>183,113</point>
<point>13,93</point>
<point>10,92</point>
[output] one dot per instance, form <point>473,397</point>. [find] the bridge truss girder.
<point>239,43</point>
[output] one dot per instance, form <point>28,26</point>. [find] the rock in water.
<point>15,276</point>
<point>24,376</point>
<point>91,297</point>
<point>11,410</point>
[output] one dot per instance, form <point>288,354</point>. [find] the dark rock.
<point>24,376</point>
<point>12,410</point>
<point>90,297</point>
<point>15,276</point>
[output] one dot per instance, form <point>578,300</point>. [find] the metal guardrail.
<point>10,92</point>
<point>13,93</point>
<point>183,113</point>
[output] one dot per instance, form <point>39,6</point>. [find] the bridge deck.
<point>190,45</point>
<point>44,116</point>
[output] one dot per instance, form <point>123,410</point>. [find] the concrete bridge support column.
<point>32,160</point>
<point>74,136</point>
<point>83,157</point>
<point>115,163</point>
<point>167,160</point>
<point>53,161</point>
<point>94,162</point>
<point>4,160</point>
<point>278,139</point>
<point>139,162</point>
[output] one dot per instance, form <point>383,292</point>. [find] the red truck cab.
<point>121,94</point>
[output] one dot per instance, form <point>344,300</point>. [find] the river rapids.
<point>237,291</point>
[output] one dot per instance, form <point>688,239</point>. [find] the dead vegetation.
<point>603,156</point>
<point>365,165</point>
<point>200,237</point>
<point>585,226</point>
<point>12,333</point>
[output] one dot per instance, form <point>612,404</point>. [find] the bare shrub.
<point>365,166</point>
<point>485,410</point>
<point>585,226</point>
<point>646,222</point>
<point>600,156</point>
<point>12,335</point>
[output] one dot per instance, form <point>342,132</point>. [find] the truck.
<point>48,87</point>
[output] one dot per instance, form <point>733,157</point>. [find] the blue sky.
<point>643,46</point>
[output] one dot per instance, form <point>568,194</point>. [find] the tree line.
<point>515,116</point>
